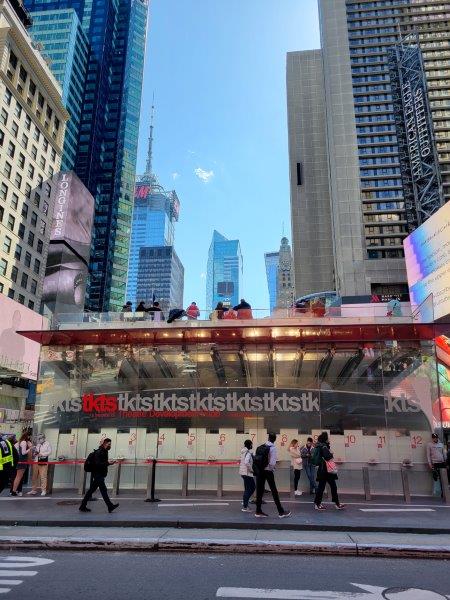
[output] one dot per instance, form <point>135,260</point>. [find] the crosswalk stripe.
<point>10,573</point>
<point>11,581</point>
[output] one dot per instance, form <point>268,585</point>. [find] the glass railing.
<point>346,313</point>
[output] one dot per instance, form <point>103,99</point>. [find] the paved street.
<point>172,576</point>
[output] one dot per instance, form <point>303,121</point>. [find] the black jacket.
<point>241,305</point>
<point>326,454</point>
<point>100,466</point>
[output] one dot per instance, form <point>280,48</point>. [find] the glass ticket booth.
<point>195,402</point>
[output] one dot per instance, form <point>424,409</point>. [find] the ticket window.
<point>190,444</point>
<point>376,448</point>
<point>283,442</point>
<point>353,445</point>
<point>419,440</point>
<point>166,443</point>
<point>399,446</point>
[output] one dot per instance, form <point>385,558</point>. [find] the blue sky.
<point>217,68</point>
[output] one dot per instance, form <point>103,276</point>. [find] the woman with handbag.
<point>23,447</point>
<point>296,464</point>
<point>326,472</point>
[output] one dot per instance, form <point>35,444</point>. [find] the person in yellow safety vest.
<point>6,462</point>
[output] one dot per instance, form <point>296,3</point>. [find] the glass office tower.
<point>272,260</point>
<point>108,137</point>
<point>60,35</point>
<point>224,271</point>
<point>160,277</point>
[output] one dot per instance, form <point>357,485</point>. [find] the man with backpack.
<point>264,462</point>
<point>97,463</point>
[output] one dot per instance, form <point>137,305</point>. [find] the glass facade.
<point>64,42</point>
<point>160,277</point>
<point>196,395</point>
<point>224,271</point>
<point>108,137</point>
<point>372,29</point>
<point>272,259</point>
<point>154,214</point>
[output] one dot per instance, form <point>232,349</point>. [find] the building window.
<point>11,293</point>
<point>42,162</point>
<point>23,74</point>
<point>34,219</point>
<point>27,260</point>
<point>24,281</point>
<point>18,252</point>
<point>14,274</point>
<point>31,238</point>
<point>18,110</point>
<point>7,97</point>
<point>25,210</point>
<point>3,191</point>
<point>7,169</point>
<point>40,246</point>
<point>4,117</point>
<point>21,232</point>
<point>24,141</point>
<point>21,160</point>
<point>7,244</point>
<point>37,199</point>
<point>3,266</point>
<point>15,129</point>
<point>30,171</point>
<point>32,88</point>
<point>36,134</point>
<point>53,154</point>
<point>11,223</point>
<point>21,299</point>
<point>33,286</point>
<point>28,122</point>
<point>13,60</point>
<point>37,266</point>
<point>2,212</point>
<point>31,304</point>
<point>14,200</point>
<point>1,288</point>
<point>11,150</point>
<point>27,190</point>
<point>41,100</point>
<point>34,152</point>
<point>18,180</point>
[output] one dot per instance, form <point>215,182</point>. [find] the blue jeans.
<point>310,471</point>
<point>249,488</point>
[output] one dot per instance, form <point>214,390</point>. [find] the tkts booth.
<point>191,393</point>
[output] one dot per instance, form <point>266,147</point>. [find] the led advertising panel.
<point>427,255</point>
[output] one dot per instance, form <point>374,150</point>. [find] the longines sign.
<point>188,403</point>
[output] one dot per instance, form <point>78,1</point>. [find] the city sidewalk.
<point>382,515</point>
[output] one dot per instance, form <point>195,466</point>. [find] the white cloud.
<point>203,175</point>
<point>175,175</point>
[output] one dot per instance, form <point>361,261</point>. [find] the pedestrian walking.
<point>193,311</point>
<point>97,463</point>
<point>264,463</point>
<point>42,452</point>
<point>246,472</point>
<point>6,462</point>
<point>310,469</point>
<point>24,448</point>
<point>326,472</point>
<point>296,464</point>
<point>436,459</point>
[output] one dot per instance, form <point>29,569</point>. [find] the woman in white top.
<point>246,472</point>
<point>23,448</point>
<point>296,462</point>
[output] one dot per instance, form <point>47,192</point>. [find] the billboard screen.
<point>427,255</point>
<point>73,214</point>
<point>19,355</point>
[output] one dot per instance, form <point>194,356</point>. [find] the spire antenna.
<point>149,167</point>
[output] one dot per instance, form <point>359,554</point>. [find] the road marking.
<point>367,592</point>
<point>397,509</point>
<point>12,566</point>
<point>196,504</point>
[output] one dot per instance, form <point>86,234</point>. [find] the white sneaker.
<point>20,493</point>
<point>298,493</point>
<point>43,493</point>
<point>32,493</point>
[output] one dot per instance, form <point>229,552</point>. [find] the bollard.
<point>185,481</point>
<point>220,481</point>
<point>151,477</point>
<point>405,484</point>
<point>82,481</point>
<point>291,476</point>
<point>116,480</point>
<point>50,478</point>
<point>366,483</point>
<point>444,485</point>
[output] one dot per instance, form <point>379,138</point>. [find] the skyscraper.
<point>32,125</point>
<point>272,259</point>
<point>368,214</point>
<point>154,215</point>
<point>108,137</point>
<point>224,271</point>
<point>285,276</point>
<point>60,34</point>
<point>160,277</point>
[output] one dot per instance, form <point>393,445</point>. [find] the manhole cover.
<point>68,503</point>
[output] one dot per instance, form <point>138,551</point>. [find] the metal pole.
<point>220,481</point>
<point>405,484</point>
<point>151,477</point>
<point>185,481</point>
<point>366,483</point>
<point>82,481</point>
<point>291,477</point>
<point>444,485</point>
<point>116,480</point>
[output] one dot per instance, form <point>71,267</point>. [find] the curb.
<point>229,546</point>
<point>193,524</point>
